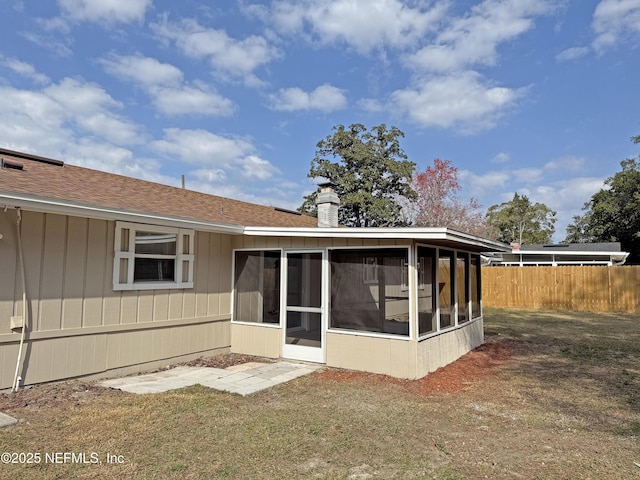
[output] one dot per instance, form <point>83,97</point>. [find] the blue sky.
<point>534,96</point>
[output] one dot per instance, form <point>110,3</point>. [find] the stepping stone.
<point>6,420</point>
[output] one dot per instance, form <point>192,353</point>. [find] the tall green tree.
<point>523,222</point>
<point>371,173</point>
<point>613,213</point>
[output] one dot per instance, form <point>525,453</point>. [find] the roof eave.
<point>61,207</point>
<point>570,252</point>
<point>392,233</point>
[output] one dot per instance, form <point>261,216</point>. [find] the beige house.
<point>102,274</point>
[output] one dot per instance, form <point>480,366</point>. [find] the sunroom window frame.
<point>126,255</point>
<point>412,278</point>
<point>234,292</point>
<point>474,315</point>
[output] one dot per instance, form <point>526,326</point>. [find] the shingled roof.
<point>48,179</point>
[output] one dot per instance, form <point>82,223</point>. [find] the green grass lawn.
<point>564,404</point>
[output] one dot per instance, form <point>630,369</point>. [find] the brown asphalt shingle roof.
<point>53,180</point>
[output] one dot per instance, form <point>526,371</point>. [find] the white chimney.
<point>328,203</point>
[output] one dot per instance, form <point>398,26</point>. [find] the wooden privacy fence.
<point>580,288</point>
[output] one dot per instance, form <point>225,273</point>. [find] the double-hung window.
<point>152,257</point>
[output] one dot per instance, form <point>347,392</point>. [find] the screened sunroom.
<point>402,302</point>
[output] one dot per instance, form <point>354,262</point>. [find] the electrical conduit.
<point>24,302</point>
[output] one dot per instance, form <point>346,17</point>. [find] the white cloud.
<point>572,54</point>
<point>372,105</point>
<point>107,11</point>
<point>202,147</point>
<point>568,163</point>
<point>78,122</point>
<point>278,194</point>
<point>36,122</point>
<point>59,46</point>
<point>445,91</point>
<point>534,182</point>
<point>481,186</point>
<point>81,98</point>
<point>25,69</point>
<point>501,157</point>
<point>527,175</point>
<point>566,197</point>
<point>325,98</point>
<point>142,70</point>
<point>191,100</point>
<point>363,24</point>
<point>460,100</point>
<point>106,157</point>
<point>209,175</point>
<point>60,114</point>
<point>256,167</point>
<point>218,156</point>
<point>90,107</point>
<point>164,83</point>
<point>228,56</point>
<point>32,121</point>
<point>613,20</point>
<point>473,39</point>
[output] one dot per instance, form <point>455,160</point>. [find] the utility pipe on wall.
<point>16,378</point>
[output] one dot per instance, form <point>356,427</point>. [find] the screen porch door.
<point>304,321</point>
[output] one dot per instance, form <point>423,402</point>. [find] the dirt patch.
<point>482,362</point>
<point>72,393</point>
<point>225,361</point>
<point>37,397</point>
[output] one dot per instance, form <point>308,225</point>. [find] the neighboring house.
<point>114,275</point>
<point>609,253</point>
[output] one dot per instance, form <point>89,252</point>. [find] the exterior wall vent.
<point>12,164</point>
<point>285,210</point>
<point>29,156</point>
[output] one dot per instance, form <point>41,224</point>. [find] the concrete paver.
<point>243,379</point>
<point>6,420</point>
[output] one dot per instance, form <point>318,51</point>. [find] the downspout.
<point>16,378</point>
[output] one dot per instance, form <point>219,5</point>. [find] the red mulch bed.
<point>480,363</point>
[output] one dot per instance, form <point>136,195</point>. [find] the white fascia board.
<point>618,257</point>
<point>409,233</point>
<point>36,204</point>
<point>571,252</point>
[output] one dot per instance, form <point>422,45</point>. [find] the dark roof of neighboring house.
<point>44,178</point>
<point>574,247</point>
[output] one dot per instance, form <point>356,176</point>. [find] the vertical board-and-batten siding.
<point>69,265</point>
<point>596,288</point>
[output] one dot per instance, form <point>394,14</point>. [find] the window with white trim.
<point>152,257</point>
